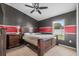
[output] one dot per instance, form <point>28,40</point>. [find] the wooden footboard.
<point>45,45</point>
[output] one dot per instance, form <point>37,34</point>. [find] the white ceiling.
<point>54,9</point>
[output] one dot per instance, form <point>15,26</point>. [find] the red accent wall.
<point>9,28</point>
<point>45,29</point>
<point>68,29</point>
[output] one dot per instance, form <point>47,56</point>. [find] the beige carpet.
<point>61,51</point>
<point>55,51</point>
<point>21,51</point>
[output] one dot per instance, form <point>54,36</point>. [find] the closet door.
<point>2,42</point>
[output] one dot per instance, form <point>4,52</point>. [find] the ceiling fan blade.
<point>32,11</point>
<point>43,7</point>
<point>29,6</point>
<point>39,11</point>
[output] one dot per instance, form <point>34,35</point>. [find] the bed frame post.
<point>57,40</point>
<point>41,47</point>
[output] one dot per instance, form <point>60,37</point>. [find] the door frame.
<point>2,42</point>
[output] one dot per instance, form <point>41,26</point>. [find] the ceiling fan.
<point>36,7</point>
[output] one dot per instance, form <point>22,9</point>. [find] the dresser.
<point>13,40</point>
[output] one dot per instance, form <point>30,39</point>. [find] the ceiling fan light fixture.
<point>36,7</point>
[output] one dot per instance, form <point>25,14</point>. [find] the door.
<point>2,42</point>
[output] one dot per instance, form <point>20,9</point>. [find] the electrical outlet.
<point>70,41</point>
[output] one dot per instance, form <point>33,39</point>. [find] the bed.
<point>43,42</point>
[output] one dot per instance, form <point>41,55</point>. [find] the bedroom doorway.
<point>58,29</point>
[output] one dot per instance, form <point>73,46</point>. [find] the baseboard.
<point>68,47</point>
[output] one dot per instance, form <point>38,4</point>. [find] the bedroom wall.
<point>1,15</point>
<point>14,17</point>
<point>45,26</point>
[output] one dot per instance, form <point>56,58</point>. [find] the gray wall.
<point>1,16</point>
<point>14,17</point>
<point>70,19</point>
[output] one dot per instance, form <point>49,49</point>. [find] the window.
<point>58,29</point>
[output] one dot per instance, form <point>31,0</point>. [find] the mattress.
<point>33,38</point>
<point>30,39</point>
